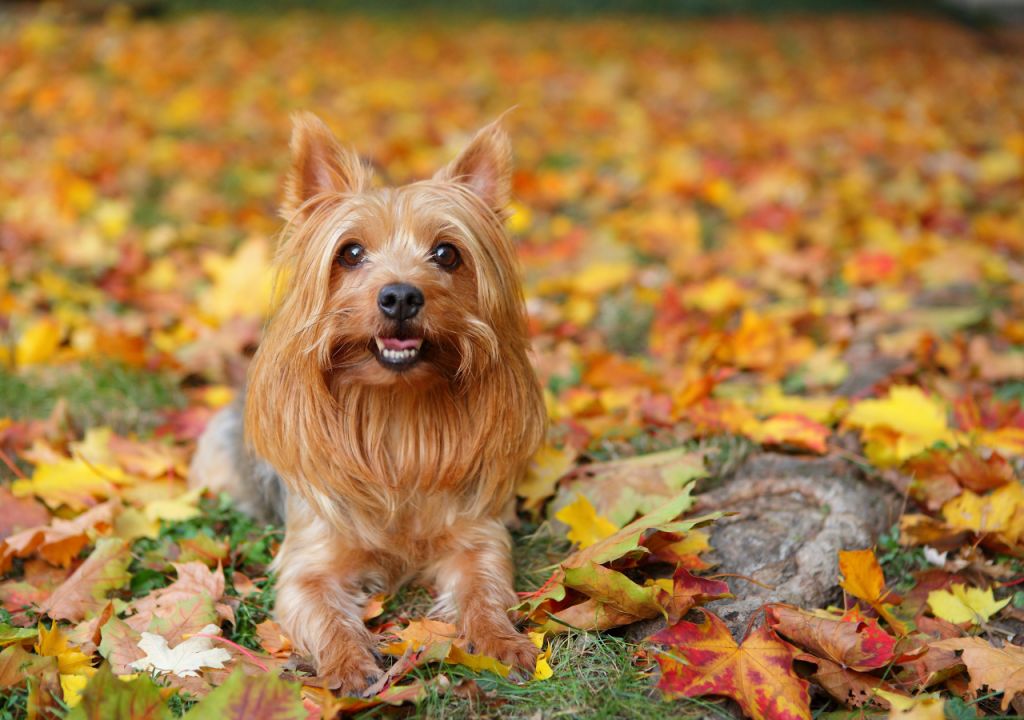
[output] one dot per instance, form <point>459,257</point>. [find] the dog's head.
<point>388,285</point>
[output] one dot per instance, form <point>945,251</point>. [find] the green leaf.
<point>10,634</point>
<point>106,697</point>
<point>245,697</point>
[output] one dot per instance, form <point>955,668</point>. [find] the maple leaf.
<point>899,426</point>
<point>16,665</point>
<point>193,579</point>
<point>791,429</point>
<point>922,707</point>
<point>547,466</point>
<point>863,578</point>
<point>859,644</point>
<point>119,644</point>
<point>1001,669</point>
<point>71,482</point>
<point>586,527</point>
<point>621,489</point>
<point>62,540</point>
<point>961,604</point>
<point>20,513</point>
<point>187,657</point>
<point>705,660</point>
<point>181,618</point>
<point>107,696</point>
<point>242,283</point>
<point>85,592</point>
<point>244,697</point>
<point>54,643</point>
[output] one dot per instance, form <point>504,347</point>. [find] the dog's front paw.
<point>349,670</point>
<point>513,649</point>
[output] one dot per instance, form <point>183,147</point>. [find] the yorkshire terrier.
<point>391,408</point>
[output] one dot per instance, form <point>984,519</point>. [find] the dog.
<point>391,408</point>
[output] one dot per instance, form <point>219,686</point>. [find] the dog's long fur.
<point>387,476</point>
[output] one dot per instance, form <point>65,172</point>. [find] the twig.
<point>14,468</point>
<point>742,577</point>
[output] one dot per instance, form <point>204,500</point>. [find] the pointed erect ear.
<point>485,165</point>
<point>319,165</point>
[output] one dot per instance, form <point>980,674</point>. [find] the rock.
<point>795,515</point>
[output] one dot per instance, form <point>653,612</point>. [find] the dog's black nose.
<point>400,301</point>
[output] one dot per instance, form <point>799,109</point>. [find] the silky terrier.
<point>391,408</point>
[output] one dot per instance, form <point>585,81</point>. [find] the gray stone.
<point>794,516</point>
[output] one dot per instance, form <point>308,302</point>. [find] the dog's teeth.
<point>380,344</point>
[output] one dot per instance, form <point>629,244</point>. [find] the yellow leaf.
<point>132,524</point>
<point>477,662</point>
<point>543,670</point>
<point>38,343</point>
<point>961,604</point>
<point>599,278</point>
<point>716,295</point>
<point>586,528</point>
<point>242,283</point>
<point>95,447</point>
<point>1001,511</point>
<point>73,685</point>
<point>52,642</point>
<point>72,483</point>
<point>176,510</point>
<point>922,707</point>
<point>910,421</point>
<point>548,465</point>
<point>820,409</point>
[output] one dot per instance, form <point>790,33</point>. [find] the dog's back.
<point>223,464</point>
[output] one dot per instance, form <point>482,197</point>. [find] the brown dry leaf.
<point>61,540</point>
<point>19,513</point>
<point>85,592</point>
<point>1000,669</point>
<point>193,579</point>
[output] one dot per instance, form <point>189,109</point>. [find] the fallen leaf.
<point>245,697</point>
<point>899,426</point>
<point>860,645</point>
<point>186,659</point>
<point>107,696</point>
<point>863,579</point>
<point>85,592</point>
<point>705,660</point>
<point>585,526</point>
<point>1001,669</point>
<point>119,644</point>
<point>853,689</point>
<point>961,604</point>
<point>621,489</point>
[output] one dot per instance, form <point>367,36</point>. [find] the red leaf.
<point>759,675</point>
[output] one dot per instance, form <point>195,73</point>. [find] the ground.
<point>781,251</point>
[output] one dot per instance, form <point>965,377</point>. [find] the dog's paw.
<point>514,649</point>
<point>349,672</point>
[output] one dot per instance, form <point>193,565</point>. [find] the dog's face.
<point>399,285</point>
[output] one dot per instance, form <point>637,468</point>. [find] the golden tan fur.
<point>394,476</point>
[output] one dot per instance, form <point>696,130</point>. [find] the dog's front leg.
<point>473,578</point>
<point>320,600</point>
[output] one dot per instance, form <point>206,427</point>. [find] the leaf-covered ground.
<point>801,236</point>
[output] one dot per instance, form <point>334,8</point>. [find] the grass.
<point>125,398</point>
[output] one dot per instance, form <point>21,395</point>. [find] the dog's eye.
<point>446,256</point>
<point>351,255</point>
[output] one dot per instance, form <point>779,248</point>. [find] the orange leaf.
<point>862,578</point>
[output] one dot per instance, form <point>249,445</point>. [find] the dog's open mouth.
<point>397,353</point>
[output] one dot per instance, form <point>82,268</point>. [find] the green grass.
<point>125,398</point>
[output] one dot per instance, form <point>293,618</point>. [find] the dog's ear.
<point>485,165</point>
<point>319,166</point>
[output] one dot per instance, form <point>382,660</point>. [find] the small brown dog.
<point>391,408</point>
